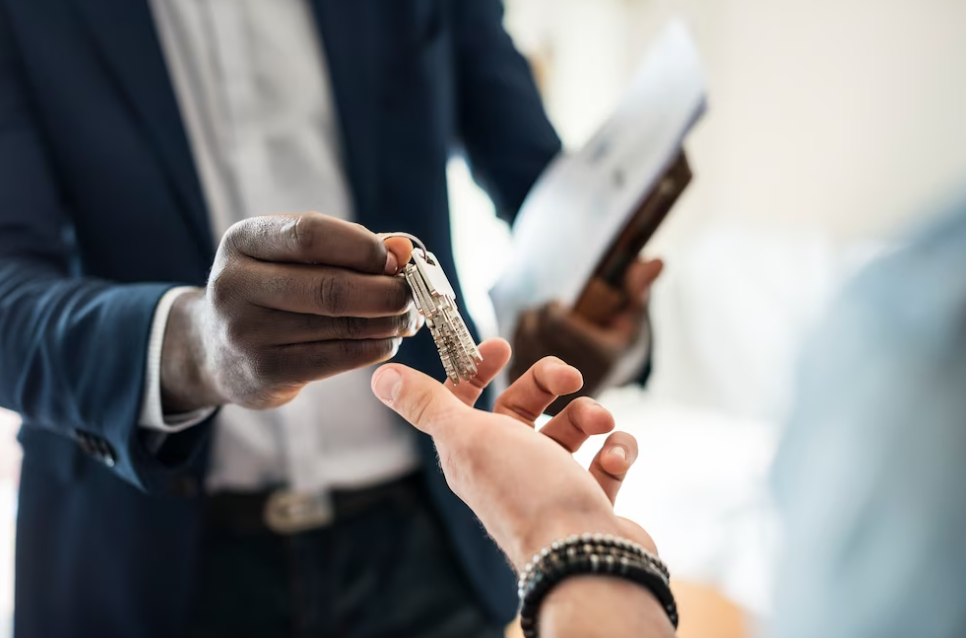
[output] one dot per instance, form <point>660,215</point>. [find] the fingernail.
<point>386,385</point>
<point>392,264</point>
<point>620,452</point>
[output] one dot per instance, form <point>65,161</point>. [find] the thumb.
<point>400,251</point>
<point>419,399</point>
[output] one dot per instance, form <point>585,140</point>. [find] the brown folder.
<point>603,296</point>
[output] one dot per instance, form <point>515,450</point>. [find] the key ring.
<point>435,300</point>
<point>413,239</point>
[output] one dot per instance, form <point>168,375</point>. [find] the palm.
<point>524,485</point>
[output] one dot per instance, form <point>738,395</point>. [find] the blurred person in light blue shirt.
<point>871,477</point>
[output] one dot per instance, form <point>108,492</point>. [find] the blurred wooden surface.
<point>704,614</point>
<point>707,614</point>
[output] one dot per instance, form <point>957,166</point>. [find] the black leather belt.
<point>285,512</point>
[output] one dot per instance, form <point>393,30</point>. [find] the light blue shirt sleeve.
<point>871,476</point>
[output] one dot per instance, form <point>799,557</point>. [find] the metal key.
<point>436,302</point>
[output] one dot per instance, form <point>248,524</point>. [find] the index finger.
<point>400,249</point>
<point>527,397</point>
<point>310,238</point>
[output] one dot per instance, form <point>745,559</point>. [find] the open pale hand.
<point>523,484</point>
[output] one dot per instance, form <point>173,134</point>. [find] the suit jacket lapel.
<point>125,33</point>
<point>349,31</point>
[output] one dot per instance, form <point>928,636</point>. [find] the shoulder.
<point>887,357</point>
<point>908,304</point>
<point>919,289</point>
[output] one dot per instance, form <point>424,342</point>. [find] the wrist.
<point>590,606</point>
<point>186,380</point>
<point>586,559</point>
<point>555,528</point>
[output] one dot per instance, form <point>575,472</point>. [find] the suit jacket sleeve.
<point>502,122</point>
<point>73,348</point>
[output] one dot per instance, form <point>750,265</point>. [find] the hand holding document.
<point>591,211</point>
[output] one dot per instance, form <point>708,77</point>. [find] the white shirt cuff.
<point>152,414</point>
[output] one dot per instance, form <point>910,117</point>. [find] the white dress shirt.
<point>252,84</point>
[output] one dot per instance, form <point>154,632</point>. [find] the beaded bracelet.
<point>591,554</point>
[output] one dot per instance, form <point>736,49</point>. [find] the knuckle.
<point>349,353</point>
<point>377,255</point>
<point>355,327</point>
<point>333,294</point>
<point>267,365</point>
<point>314,325</point>
<point>380,328</point>
<point>398,295</point>
<point>223,286</point>
<point>234,237</point>
<point>394,326</point>
<point>237,333</point>
<point>404,325</point>
<point>364,351</point>
<point>590,417</point>
<point>539,381</point>
<point>378,349</point>
<point>302,232</point>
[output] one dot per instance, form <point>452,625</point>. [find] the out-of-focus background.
<point>832,123</point>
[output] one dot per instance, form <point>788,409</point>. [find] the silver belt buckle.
<point>288,512</point>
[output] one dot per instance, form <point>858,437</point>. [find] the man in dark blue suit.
<point>159,330</point>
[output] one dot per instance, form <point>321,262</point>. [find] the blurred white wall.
<point>841,114</point>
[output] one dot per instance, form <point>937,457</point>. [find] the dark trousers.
<point>386,571</point>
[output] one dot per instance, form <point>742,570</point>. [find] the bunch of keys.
<point>436,302</point>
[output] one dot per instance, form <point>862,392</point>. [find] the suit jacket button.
<point>98,448</point>
<point>83,441</point>
<point>105,453</point>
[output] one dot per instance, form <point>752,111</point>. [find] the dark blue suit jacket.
<point>101,211</point>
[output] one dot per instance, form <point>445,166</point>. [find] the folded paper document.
<point>590,213</point>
